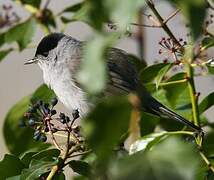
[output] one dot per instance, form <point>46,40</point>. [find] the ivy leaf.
<point>106,124</point>
<point>74,8</point>
<point>4,53</point>
<point>146,142</point>
<point>150,73</point>
<point>148,123</point>
<point>34,3</point>
<point>46,155</point>
<point>207,43</point>
<point>48,20</point>
<point>171,159</point>
<point>93,64</point>
<point>21,33</point>
<point>36,169</point>
<point>175,91</point>
<point>80,167</point>
<point>162,72</point>
<point>123,13</point>
<point>42,93</point>
<point>206,103</point>
<point>10,166</point>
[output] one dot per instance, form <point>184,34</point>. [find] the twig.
<point>171,16</point>
<point>46,4</point>
<point>193,94</point>
<point>164,25</point>
<point>206,160</point>
<point>146,25</point>
<point>79,154</point>
<point>173,82</point>
<point>52,136</point>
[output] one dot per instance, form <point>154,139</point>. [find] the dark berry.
<point>63,121</point>
<point>40,102</point>
<point>75,114</point>
<point>62,115</point>
<point>31,109</point>
<point>22,124</point>
<point>53,112</point>
<point>76,129</point>
<point>46,105</point>
<point>46,110</point>
<point>54,101</point>
<point>37,135</point>
<point>67,119</point>
<point>72,143</point>
<point>54,130</point>
<point>43,138</point>
<point>31,122</point>
<point>46,129</point>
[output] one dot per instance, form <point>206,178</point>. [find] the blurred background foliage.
<point>164,149</point>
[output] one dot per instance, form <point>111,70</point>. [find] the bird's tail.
<point>156,107</point>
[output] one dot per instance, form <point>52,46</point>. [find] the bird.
<point>59,56</point>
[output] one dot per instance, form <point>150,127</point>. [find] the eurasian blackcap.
<point>59,57</point>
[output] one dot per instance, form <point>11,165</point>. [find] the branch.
<point>163,24</point>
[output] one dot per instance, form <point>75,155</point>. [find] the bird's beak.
<point>31,61</point>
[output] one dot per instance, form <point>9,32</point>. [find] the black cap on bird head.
<point>48,43</point>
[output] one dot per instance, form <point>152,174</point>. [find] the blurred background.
<point>17,80</point>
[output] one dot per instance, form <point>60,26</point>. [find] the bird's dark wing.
<point>123,78</point>
<point>122,74</point>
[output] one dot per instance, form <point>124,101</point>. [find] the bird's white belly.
<point>71,96</point>
<point>66,90</point>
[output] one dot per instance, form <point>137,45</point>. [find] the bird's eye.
<point>45,54</point>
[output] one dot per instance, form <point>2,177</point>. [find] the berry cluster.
<point>42,117</point>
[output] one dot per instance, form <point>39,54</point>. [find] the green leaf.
<point>26,157</point>
<point>42,93</point>
<point>206,103</point>
<point>146,142</point>
<point>10,166</point>
<point>81,15</point>
<point>19,140</point>
<point>80,167</point>
<point>47,155</point>
<point>14,177</point>
<point>93,67</point>
<point>21,33</point>
<point>171,159</point>
<point>161,74</point>
<point>148,123</point>
<point>194,11</point>
<point>2,41</point>
<point>151,72</point>
<point>106,124</point>
<point>37,168</point>
<point>208,145</point>
<point>35,3</point>
<point>123,13</point>
<point>207,42</point>
<point>4,53</point>
<point>49,19</point>
<point>73,8</point>
<point>175,91</point>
